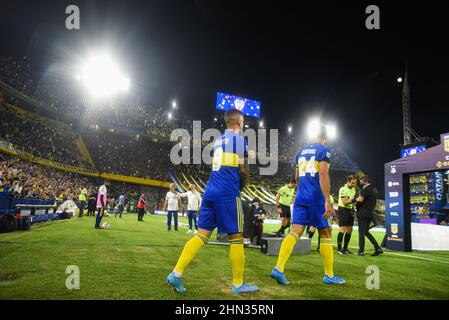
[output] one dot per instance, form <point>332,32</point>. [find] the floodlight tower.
<point>407,126</point>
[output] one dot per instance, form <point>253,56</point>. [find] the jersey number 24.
<point>307,166</point>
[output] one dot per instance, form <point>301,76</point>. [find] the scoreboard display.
<point>411,151</point>
<point>248,107</point>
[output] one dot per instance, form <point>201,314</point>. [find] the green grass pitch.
<point>132,259</point>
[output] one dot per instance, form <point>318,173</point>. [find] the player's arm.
<point>183,194</point>
<point>325,184</point>
<point>244,172</point>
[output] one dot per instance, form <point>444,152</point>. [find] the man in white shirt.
<point>193,205</point>
<point>171,206</point>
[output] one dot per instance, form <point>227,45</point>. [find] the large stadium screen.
<point>411,151</point>
<point>228,101</point>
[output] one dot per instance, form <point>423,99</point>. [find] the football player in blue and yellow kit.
<point>222,207</point>
<point>312,207</point>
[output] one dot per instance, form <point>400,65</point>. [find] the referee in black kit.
<point>366,202</point>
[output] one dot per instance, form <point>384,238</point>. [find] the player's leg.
<point>206,226</point>
<point>230,220</point>
<point>300,221</point>
<point>326,248</point>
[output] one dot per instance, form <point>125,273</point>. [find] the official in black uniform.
<point>366,202</point>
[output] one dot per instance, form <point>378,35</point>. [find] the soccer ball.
<point>105,225</point>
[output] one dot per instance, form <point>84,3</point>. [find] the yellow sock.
<point>237,256</point>
<point>327,254</point>
<point>190,250</point>
<point>286,250</point>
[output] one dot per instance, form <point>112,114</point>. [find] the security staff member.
<point>284,199</point>
<point>345,214</point>
<point>82,198</point>
<point>366,202</point>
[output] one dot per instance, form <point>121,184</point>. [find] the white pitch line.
<point>406,255</point>
<point>416,257</point>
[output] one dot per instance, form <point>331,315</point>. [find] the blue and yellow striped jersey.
<point>224,182</point>
<point>307,161</point>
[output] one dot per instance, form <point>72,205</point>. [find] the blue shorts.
<point>226,216</point>
<point>310,216</point>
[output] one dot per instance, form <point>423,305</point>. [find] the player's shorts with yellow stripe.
<point>227,216</point>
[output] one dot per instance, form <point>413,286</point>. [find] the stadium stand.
<point>125,140</point>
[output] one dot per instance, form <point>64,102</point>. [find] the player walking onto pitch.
<point>221,206</point>
<point>312,207</point>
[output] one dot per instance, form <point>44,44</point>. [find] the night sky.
<point>299,58</point>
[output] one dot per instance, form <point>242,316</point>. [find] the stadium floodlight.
<point>174,104</point>
<point>215,119</point>
<point>169,115</point>
<point>399,80</point>
<point>289,129</point>
<point>314,126</point>
<point>102,77</point>
<point>261,124</point>
<point>331,131</point>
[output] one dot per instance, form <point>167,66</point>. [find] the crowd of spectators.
<point>111,151</point>
<point>24,179</point>
<point>17,74</point>
<point>127,155</point>
<point>40,137</point>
